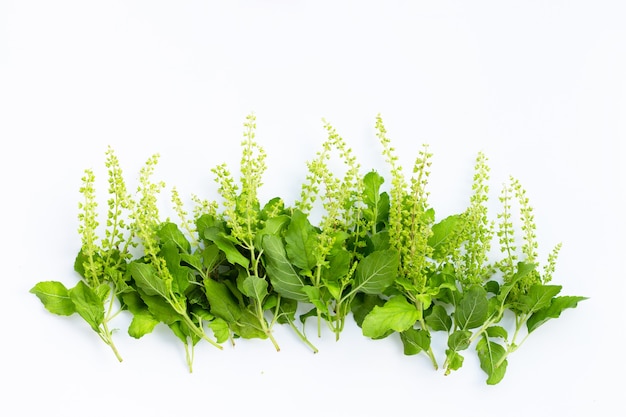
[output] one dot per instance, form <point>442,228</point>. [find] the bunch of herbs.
<point>236,268</point>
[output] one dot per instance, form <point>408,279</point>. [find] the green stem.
<point>340,319</point>
<point>266,329</point>
<point>494,319</point>
<point>429,352</point>
<point>519,322</point>
<point>197,331</point>
<point>512,347</point>
<point>338,327</point>
<point>480,331</point>
<point>189,354</point>
<point>106,335</point>
<point>431,355</point>
<point>300,334</point>
<point>303,337</point>
<point>319,323</point>
<point>255,258</point>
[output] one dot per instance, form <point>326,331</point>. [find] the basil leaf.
<point>459,340</point>
<point>146,278</point>
<point>397,314</point>
<point>255,287</point>
<point>415,341</point>
<point>285,280</point>
<point>553,311</point>
<point>537,297</point>
<point>88,305</point>
<point>222,302</point>
<point>439,319</point>
<point>54,297</point>
<point>142,324</point>
<point>300,241</point>
<point>443,232</point>
<point>376,271</point>
<point>472,310</point>
<point>490,355</point>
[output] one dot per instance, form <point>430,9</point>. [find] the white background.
<point>539,86</point>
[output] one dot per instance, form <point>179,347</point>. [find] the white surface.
<point>539,86</point>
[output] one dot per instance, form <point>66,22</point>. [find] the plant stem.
<point>199,332</point>
<point>420,308</point>
<point>266,329</point>
<point>189,356</point>
<point>303,337</point>
<point>106,335</point>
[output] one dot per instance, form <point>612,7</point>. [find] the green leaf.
<point>338,266</point>
<point>169,232</point>
<point>88,304</point>
<point>429,293</point>
<point>379,241</point>
<point>333,289</point>
<point>181,275</point>
<point>371,188</point>
<point>272,208</point>
<point>459,340</point>
<point>446,281</point>
<point>523,269</point>
<point>200,313</point>
<point>143,321</point>
<point>311,313</point>
<point>222,302</point>
<point>376,271</point>
<point>538,297</point>
<point>142,324</point>
<point>211,257</point>
<point>492,287</point>
<point>397,314</point>
<point>489,355</point>
<point>184,333</point>
<point>383,207</point>
<point>377,202</point>
<point>442,233</point>
<point>193,260</point>
<point>273,226</point>
<point>301,241</point>
<point>454,360</point>
<point>160,308</point>
<point>146,278</point>
<point>220,239</point>
<point>362,304</point>
<point>55,297</point>
<point>79,262</point>
<point>287,311</point>
<point>220,329</point>
<point>271,301</point>
<point>438,319</point>
<point>284,278</point>
<point>553,311</point>
<point>255,287</point>
<point>414,341</point>
<point>495,307</point>
<point>102,291</point>
<point>497,331</point>
<point>132,301</point>
<point>314,296</point>
<point>472,310</point>
<point>248,326</point>
<point>207,221</point>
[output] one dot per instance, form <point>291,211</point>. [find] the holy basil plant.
<point>353,246</point>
